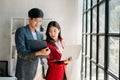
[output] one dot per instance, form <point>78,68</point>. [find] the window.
<point>101,40</point>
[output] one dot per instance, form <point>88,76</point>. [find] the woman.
<point>57,67</point>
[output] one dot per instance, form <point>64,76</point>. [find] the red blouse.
<point>57,68</point>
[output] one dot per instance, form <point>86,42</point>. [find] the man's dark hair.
<point>35,13</point>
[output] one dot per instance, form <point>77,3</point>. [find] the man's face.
<point>35,22</point>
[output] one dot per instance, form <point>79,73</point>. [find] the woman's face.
<point>54,32</point>
<point>35,22</point>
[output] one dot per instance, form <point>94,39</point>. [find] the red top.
<point>56,69</point>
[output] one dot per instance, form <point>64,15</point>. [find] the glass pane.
<point>100,74</point>
<point>100,0</point>
<point>84,29</point>
<point>88,22</point>
<point>114,55</point>
<point>89,3</point>
<point>114,19</point>
<point>94,21</point>
<point>101,50</point>
<point>93,71</point>
<point>83,66</point>
<point>110,78</point>
<point>84,40</point>
<point>88,45</point>
<point>88,70</point>
<point>94,2</point>
<point>94,47</point>
<point>84,5</point>
<point>102,18</point>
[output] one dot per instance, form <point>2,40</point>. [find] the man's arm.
<point>22,49</point>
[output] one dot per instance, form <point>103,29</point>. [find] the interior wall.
<point>67,12</point>
<point>63,11</point>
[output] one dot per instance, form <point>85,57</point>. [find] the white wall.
<point>64,11</point>
<point>67,12</point>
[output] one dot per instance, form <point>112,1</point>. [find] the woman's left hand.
<point>68,60</point>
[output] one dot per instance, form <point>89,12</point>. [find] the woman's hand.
<point>68,60</point>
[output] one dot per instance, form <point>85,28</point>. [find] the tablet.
<point>36,45</point>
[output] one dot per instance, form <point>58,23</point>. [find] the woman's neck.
<point>56,40</point>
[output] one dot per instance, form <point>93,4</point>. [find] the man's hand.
<point>45,51</point>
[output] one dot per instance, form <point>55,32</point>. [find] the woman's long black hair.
<point>54,24</point>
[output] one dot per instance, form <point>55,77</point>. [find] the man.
<point>29,65</point>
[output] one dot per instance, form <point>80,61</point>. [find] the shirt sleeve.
<point>22,50</point>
